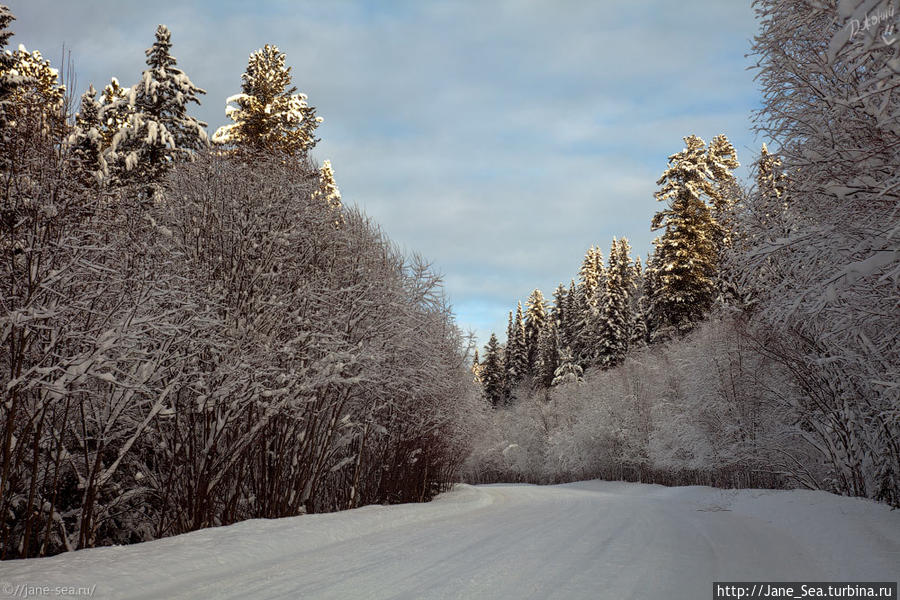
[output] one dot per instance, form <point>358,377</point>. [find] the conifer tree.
<point>568,370</point>
<point>649,295</point>
<point>492,375</point>
<point>568,325</point>
<point>591,286</point>
<point>268,114</point>
<point>114,111</point>
<point>7,81</point>
<point>86,142</point>
<point>476,368</point>
<point>637,335</point>
<point>516,351</point>
<point>558,307</point>
<point>328,193</point>
<point>328,190</point>
<point>36,99</point>
<point>548,355</point>
<point>535,322</point>
<point>769,201</point>
<point>687,253</point>
<point>613,326</point>
<point>159,132</point>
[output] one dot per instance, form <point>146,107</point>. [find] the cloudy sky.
<point>499,139</point>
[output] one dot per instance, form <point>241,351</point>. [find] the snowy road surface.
<point>585,540</point>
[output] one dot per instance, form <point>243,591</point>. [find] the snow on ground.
<point>585,540</point>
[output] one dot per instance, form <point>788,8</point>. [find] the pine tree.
<point>36,100</point>
<point>328,193</point>
<point>591,286</point>
<point>516,351</point>
<point>548,355</point>
<point>269,115</point>
<point>558,307</point>
<point>686,254</point>
<point>114,111</point>
<point>535,322</point>
<point>159,132</point>
<point>568,370</point>
<point>476,368</point>
<point>613,326</point>
<point>638,332</point>
<point>34,109</point>
<point>568,325</point>
<point>649,294</point>
<point>86,142</point>
<point>769,201</point>
<point>492,375</point>
<point>8,82</point>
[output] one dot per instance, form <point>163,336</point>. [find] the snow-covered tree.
<point>493,377</point>
<point>614,312</point>
<point>328,193</point>
<point>36,100</point>
<point>638,331</point>
<point>591,287</point>
<point>548,355</point>
<point>86,142</point>
<point>568,370</point>
<point>115,110</point>
<point>477,368</point>
<point>8,81</point>
<point>535,322</point>
<point>268,114</point>
<point>558,306</point>
<point>568,324</point>
<point>516,355</point>
<point>687,254</point>
<point>831,104</point>
<point>158,132</point>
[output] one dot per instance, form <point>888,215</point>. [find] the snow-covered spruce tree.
<point>558,306</point>
<point>493,378</point>
<point>568,370</point>
<point>516,355</point>
<point>328,193</point>
<point>535,322</point>
<point>86,142</point>
<point>723,205</point>
<point>649,294</point>
<point>831,104</point>
<point>686,255</point>
<point>114,111</point>
<point>158,132</point>
<point>548,355</point>
<point>36,102</point>
<point>638,331</point>
<point>268,114</point>
<point>591,286</point>
<point>615,312</point>
<point>8,81</point>
<point>762,220</point>
<point>477,368</point>
<point>568,325</point>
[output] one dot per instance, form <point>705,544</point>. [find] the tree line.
<point>762,346</point>
<point>198,333</point>
<point>621,306</point>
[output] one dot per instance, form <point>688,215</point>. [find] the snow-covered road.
<point>586,540</point>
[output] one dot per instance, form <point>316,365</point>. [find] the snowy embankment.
<point>585,540</point>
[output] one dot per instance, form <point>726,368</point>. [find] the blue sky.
<point>498,139</point>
